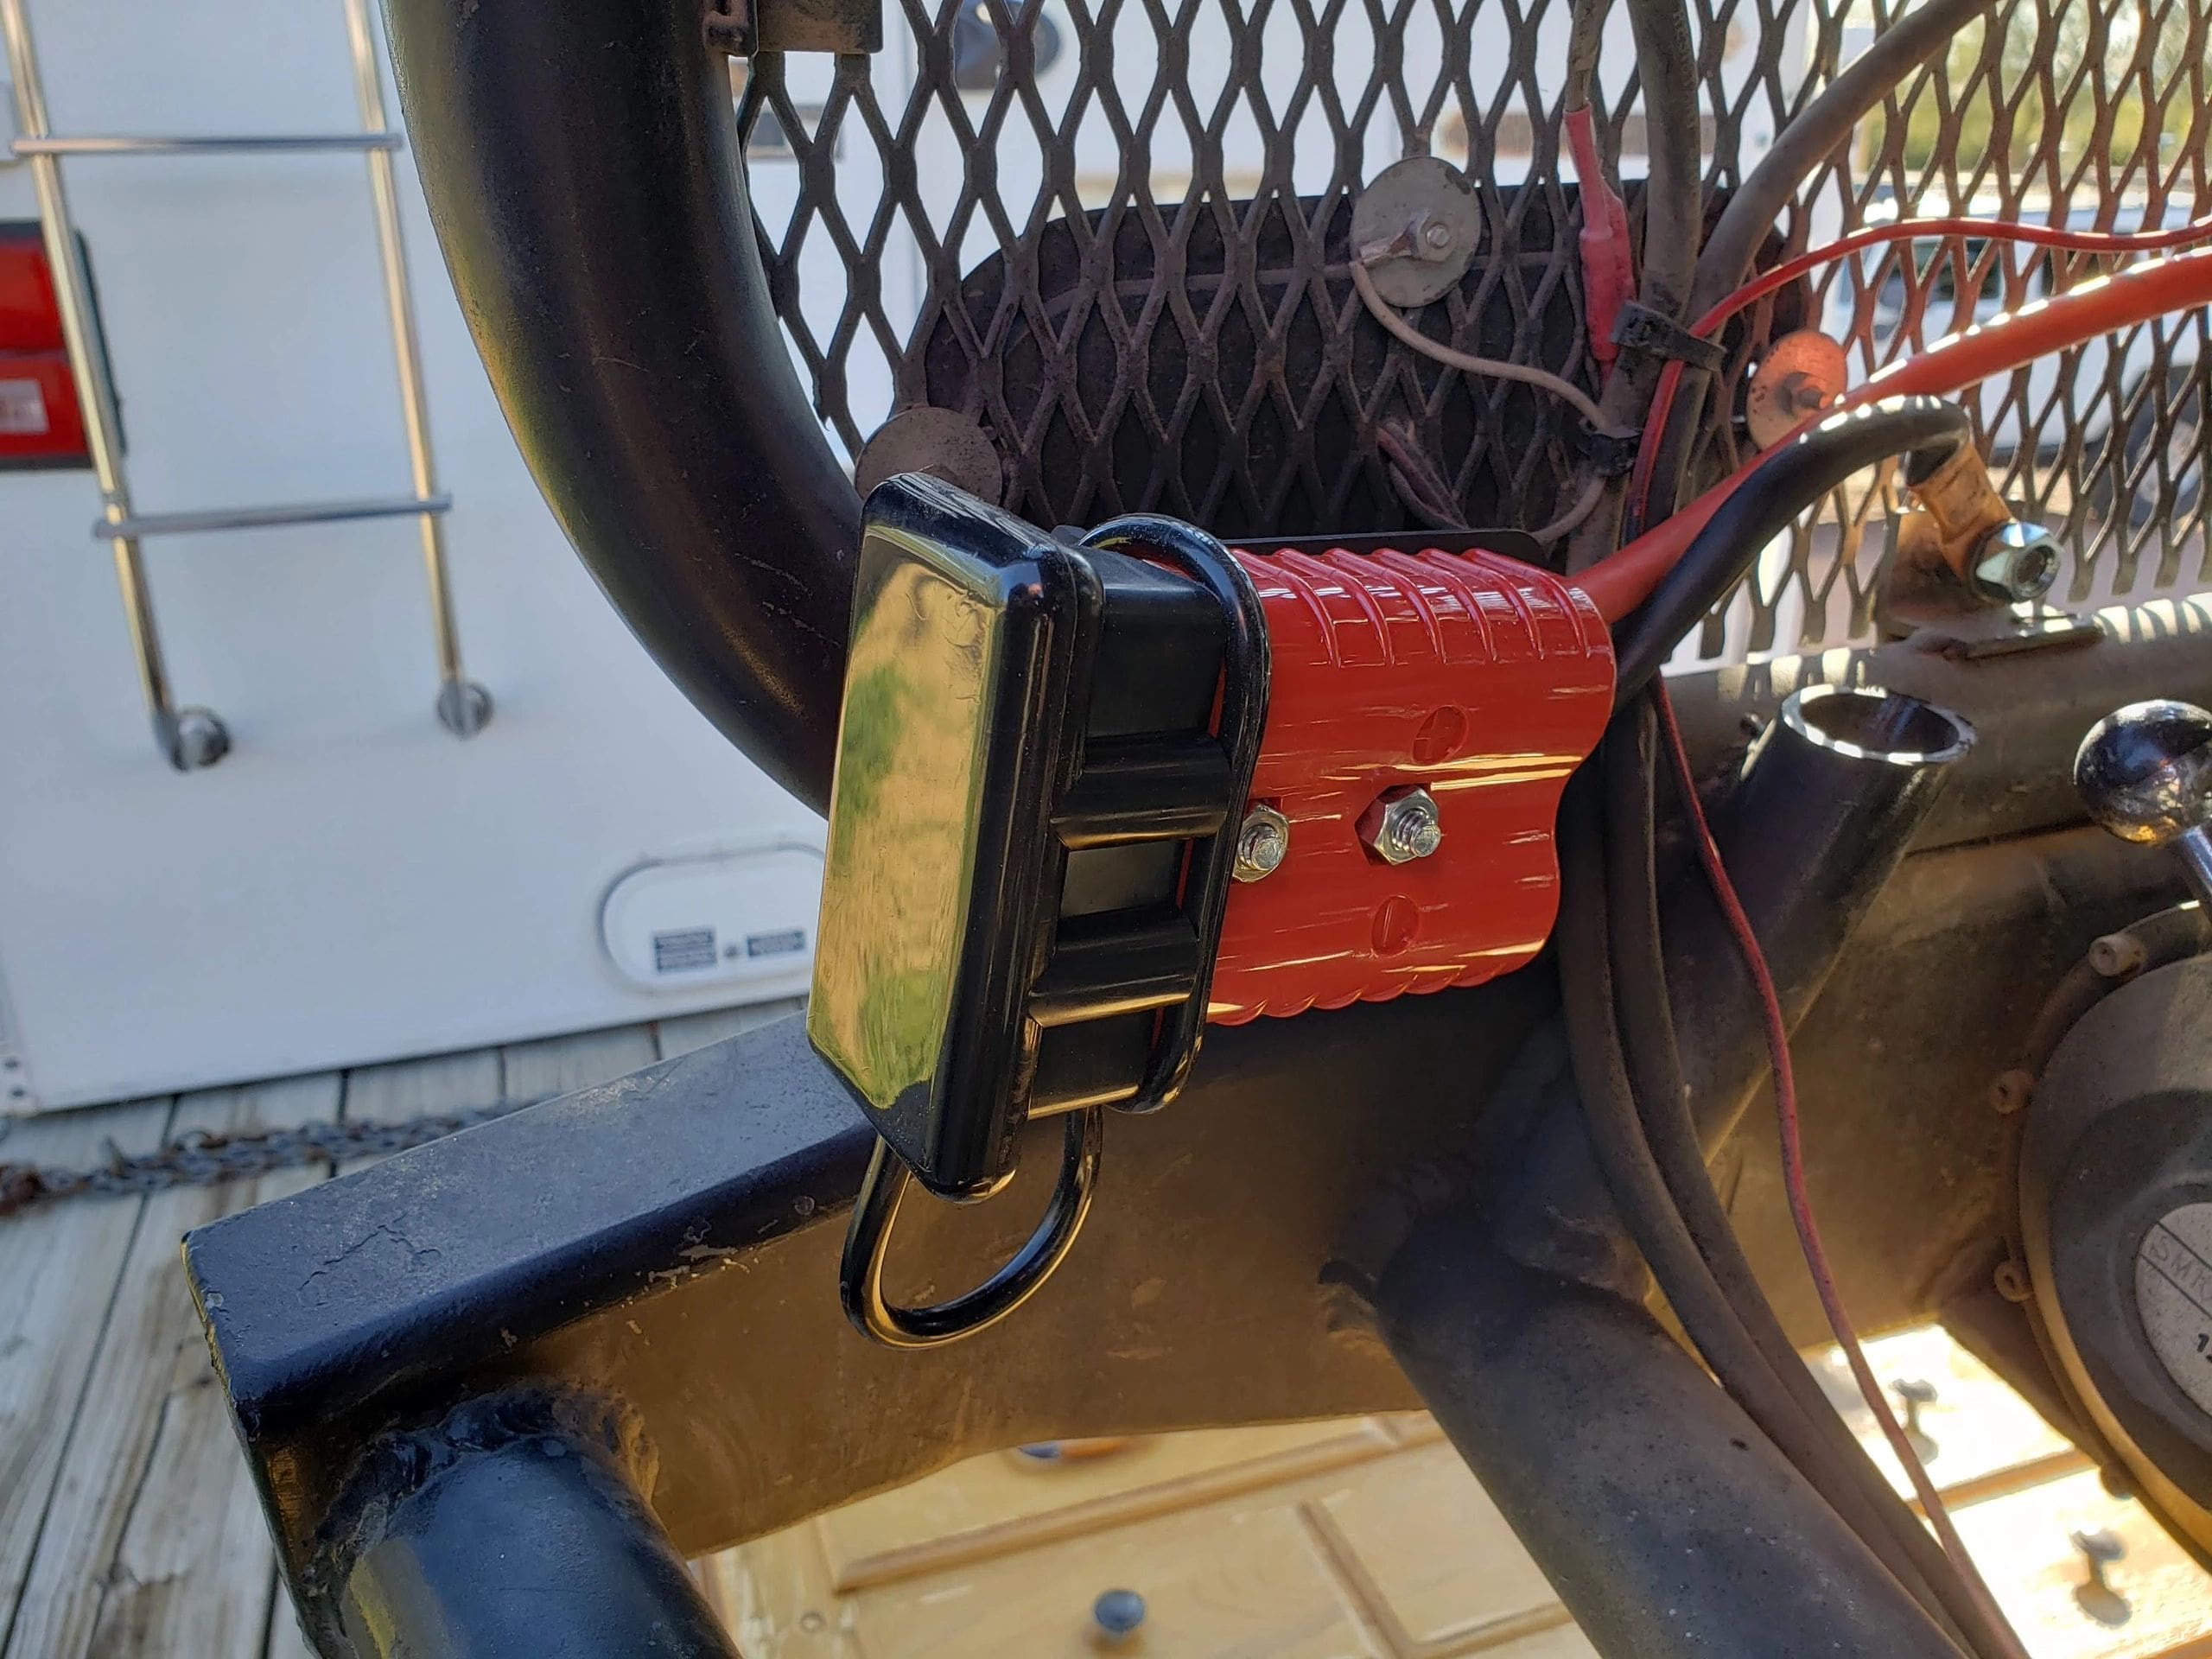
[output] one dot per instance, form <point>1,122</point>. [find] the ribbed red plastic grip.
<point>1478,678</point>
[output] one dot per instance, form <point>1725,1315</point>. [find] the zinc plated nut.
<point>1263,843</point>
<point>2016,562</point>
<point>1401,826</point>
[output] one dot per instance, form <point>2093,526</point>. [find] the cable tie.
<point>1640,329</point>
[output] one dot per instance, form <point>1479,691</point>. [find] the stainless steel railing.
<point>190,737</point>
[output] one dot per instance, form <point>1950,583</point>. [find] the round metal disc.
<point>939,442</point>
<point>1417,228</point>
<point>1802,375</point>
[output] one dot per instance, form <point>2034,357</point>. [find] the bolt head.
<point>1117,1612</point>
<point>2016,562</point>
<point>1263,843</point>
<point>2101,1547</point>
<point>1436,236</point>
<point>2145,772</point>
<point>1401,826</point>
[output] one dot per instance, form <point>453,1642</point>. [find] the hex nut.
<point>2016,562</point>
<point>1263,843</point>
<point>1401,825</point>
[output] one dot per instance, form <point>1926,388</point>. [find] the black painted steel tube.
<point>1668,1524</point>
<point>1808,1431</point>
<point>1829,798</point>
<point>512,1530</point>
<point>582,166</point>
<point>1822,812</point>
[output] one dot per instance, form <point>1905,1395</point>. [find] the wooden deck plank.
<point>440,1082</point>
<point>560,1065</point>
<point>2025,1545</point>
<point>687,1032</point>
<point>1423,1549</point>
<point>1240,1579</point>
<point>154,1543</point>
<point>1004,1502</point>
<point>61,1266</point>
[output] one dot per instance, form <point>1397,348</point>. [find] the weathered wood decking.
<point>128,1526</point>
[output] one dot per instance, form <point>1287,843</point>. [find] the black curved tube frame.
<point>582,171</point>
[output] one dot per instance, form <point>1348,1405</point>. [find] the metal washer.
<point>941,443</point>
<point>1800,375</point>
<point>1427,210</point>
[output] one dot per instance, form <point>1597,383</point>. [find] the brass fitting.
<point>1961,507</point>
<point>1966,526</point>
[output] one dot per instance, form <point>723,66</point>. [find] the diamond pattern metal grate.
<point>1113,232</point>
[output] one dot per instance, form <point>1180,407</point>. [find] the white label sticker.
<point>22,409</point>
<point>2173,1290</point>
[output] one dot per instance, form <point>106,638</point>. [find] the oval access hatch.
<point>723,918</point>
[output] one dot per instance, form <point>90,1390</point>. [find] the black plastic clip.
<point>1639,328</point>
<point>1611,454</point>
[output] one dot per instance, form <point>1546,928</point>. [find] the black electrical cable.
<point>1762,507</point>
<point>1585,39</point>
<point>1853,1486</point>
<point>1813,134</point>
<point>1673,223</point>
<point>1640,1193</point>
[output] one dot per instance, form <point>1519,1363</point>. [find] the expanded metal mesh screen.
<point>1114,232</point>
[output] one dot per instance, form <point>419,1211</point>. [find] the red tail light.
<point>40,420</point>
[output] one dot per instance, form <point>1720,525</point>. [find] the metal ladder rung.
<point>138,527</point>
<point>190,738</point>
<point>256,144</point>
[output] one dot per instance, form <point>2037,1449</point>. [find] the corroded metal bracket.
<point>743,27</point>
<point>1966,575</point>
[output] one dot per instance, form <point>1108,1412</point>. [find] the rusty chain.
<point>210,1157</point>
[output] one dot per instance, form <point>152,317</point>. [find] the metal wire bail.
<point>867,1241</point>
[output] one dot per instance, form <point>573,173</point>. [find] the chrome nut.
<point>2016,562</point>
<point>1401,826</point>
<point>1263,843</point>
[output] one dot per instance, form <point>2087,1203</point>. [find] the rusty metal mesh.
<point>1113,232</point>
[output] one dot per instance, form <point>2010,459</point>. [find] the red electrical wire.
<point>1908,230</point>
<point>1793,1175</point>
<point>2181,282</point>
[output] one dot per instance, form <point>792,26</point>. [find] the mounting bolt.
<point>1263,843</point>
<point>2095,1595</point>
<point>1117,1612</point>
<point>1434,237</point>
<point>1401,826</point>
<point>2015,563</point>
<point>2012,1091</point>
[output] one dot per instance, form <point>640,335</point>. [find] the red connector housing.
<point>1478,678</point>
